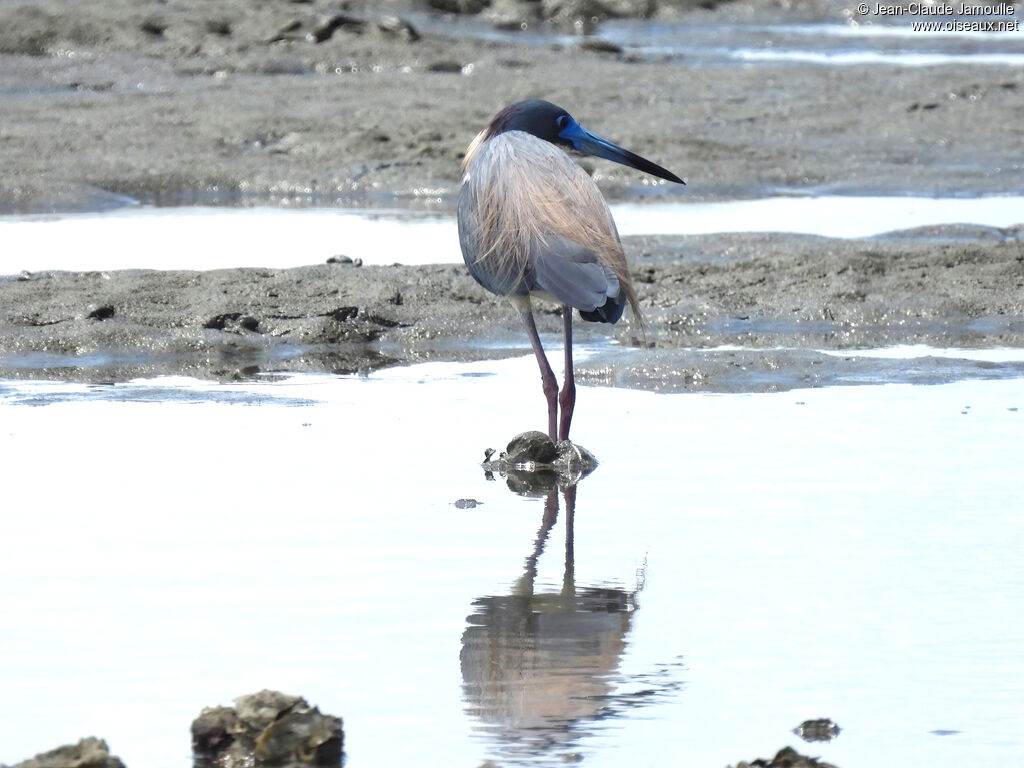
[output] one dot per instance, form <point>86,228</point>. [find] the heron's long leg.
<point>567,398</point>
<point>547,376</point>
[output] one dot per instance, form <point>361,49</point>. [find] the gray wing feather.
<point>571,273</point>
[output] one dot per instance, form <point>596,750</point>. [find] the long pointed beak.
<point>592,144</point>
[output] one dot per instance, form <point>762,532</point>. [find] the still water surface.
<point>857,40</point>
<point>872,42</point>
<point>145,237</point>
<point>740,563</point>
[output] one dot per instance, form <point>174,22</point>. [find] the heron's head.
<point>551,123</point>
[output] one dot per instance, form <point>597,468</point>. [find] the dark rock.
<point>87,753</point>
<point>385,322</point>
<point>787,757</point>
<point>100,313</point>
<point>531,446</point>
<point>533,464</point>
<point>301,736</point>
<point>598,45</point>
<point>574,460</point>
<point>153,27</point>
<point>219,322</point>
<point>269,728</point>
<point>81,87</point>
<point>345,260</point>
<point>232,322</point>
<point>822,729</point>
<point>445,66</point>
<point>258,710</point>
<point>467,504</point>
<point>341,314</point>
<point>219,27</point>
<point>212,730</point>
<point>459,6</point>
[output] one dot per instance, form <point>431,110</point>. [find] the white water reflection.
<point>856,40</point>
<point>898,58</point>
<point>917,351</point>
<point>894,43</point>
<point>846,552</point>
<point>827,216</point>
<point>215,238</point>
<point>219,238</point>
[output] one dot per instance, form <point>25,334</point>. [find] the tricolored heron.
<point>532,222</point>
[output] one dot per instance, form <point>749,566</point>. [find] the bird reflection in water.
<point>539,667</point>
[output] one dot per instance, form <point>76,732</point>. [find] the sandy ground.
<point>316,103</point>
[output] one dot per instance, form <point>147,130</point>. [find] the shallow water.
<point>892,43</point>
<point>860,40</point>
<point>741,563</point>
<point>215,238</point>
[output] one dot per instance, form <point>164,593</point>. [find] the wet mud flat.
<point>107,103</point>
<point>779,301</point>
<point>281,101</point>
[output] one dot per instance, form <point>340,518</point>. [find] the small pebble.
<point>446,66</point>
<point>823,729</point>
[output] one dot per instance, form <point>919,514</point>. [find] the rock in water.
<point>787,757</point>
<point>534,464</point>
<point>822,729</point>
<point>531,446</point>
<point>213,732</point>
<point>87,753</point>
<point>267,728</point>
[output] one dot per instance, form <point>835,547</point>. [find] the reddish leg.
<point>567,397</point>
<point>547,376</point>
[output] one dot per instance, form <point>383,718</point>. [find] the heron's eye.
<point>561,121</point>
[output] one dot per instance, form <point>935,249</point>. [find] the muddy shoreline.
<point>169,103</point>
<point>789,301</point>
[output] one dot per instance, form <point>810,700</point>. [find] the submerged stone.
<point>787,757</point>
<point>213,731</point>
<point>531,446</point>
<point>534,464</point>
<point>268,728</point>
<point>89,752</point>
<point>822,729</point>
